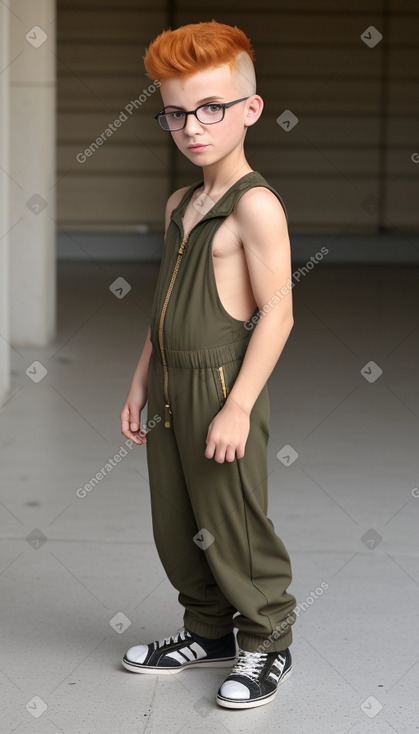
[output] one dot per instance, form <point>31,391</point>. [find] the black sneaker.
<point>254,679</point>
<point>182,650</point>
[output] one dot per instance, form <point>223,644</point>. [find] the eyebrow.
<point>202,101</point>
<point>208,99</point>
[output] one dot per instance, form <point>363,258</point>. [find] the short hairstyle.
<point>193,48</point>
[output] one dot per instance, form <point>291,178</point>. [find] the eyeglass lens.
<point>207,114</point>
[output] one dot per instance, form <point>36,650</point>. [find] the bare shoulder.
<point>262,226</point>
<point>260,205</point>
<point>172,202</point>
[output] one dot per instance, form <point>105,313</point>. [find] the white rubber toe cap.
<point>137,654</point>
<point>236,690</point>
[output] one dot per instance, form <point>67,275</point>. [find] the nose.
<point>192,126</point>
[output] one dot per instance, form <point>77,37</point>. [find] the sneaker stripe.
<point>187,654</point>
<point>197,649</point>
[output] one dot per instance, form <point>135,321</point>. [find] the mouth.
<point>197,148</point>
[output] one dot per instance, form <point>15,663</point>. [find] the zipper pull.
<point>183,244</point>
<point>167,412</point>
<point>222,380</point>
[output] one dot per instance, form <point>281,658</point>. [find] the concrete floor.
<point>80,579</point>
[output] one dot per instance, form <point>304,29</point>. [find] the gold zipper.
<point>167,410</point>
<point>222,380</point>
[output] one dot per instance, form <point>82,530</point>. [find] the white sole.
<point>156,670</point>
<point>247,704</point>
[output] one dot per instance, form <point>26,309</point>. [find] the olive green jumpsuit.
<point>216,544</point>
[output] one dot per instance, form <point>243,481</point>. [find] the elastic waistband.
<point>208,357</point>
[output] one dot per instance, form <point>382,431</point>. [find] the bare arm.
<point>268,256</point>
<point>267,249</point>
<point>137,397</point>
<point>137,394</point>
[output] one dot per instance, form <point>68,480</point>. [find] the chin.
<point>202,160</point>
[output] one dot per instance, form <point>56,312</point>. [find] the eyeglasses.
<point>207,114</point>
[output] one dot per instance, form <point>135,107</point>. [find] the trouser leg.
<point>174,524</point>
<point>229,502</point>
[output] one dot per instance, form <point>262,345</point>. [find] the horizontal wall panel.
<point>99,25</point>
<point>399,210</point>
<point>404,62</point>
<point>110,159</point>
<point>288,62</point>
<point>306,7</point>
<point>404,27</point>
<point>334,95</point>
<point>403,97</point>
<point>113,90</point>
<point>112,57</point>
<point>402,130</point>
<point>353,131</point>
<point>125,200</point>
<point>146,6</point>
<point>399,165</point>
<point>277,27</point>
<point>316,164</point>
<point>333,203</point>
<point>86,126</point>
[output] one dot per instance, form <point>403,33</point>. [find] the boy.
<point>204,372</point>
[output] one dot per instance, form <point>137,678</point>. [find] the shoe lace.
<point>180,634</point>
<point>249,664</point>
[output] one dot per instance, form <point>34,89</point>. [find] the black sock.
<point>210,644</point>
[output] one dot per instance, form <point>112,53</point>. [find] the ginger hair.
<point>193,48</point>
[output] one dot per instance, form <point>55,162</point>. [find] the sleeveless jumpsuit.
<point>217,545</point>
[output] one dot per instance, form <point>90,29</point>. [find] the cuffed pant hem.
<point>253,643</point>
<point>210,631</point>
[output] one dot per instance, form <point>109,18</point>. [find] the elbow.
<point>290,325</point>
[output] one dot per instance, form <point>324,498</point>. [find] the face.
<point>208,144</point>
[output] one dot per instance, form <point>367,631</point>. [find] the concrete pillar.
<point>4,203</point>
<point>32,189</point>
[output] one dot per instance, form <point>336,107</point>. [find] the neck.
<point>218,177</point>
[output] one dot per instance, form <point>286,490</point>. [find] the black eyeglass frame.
<point>223,105</point>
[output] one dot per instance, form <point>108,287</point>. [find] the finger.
<point>135,437</point>
<point>230,454</point>
<point>240,452</point>
<point>128,433</point>
<point>127,423</point>
<point>209,451</point>
<point>220,454</point>
<point>208,432</point>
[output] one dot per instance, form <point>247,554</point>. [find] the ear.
<point>254,107</point>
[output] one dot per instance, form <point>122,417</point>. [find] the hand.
<point>131,417</point>
<point>227,433</point>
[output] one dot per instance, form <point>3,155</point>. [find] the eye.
<point>178,115</point>
<point>212,107</point>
